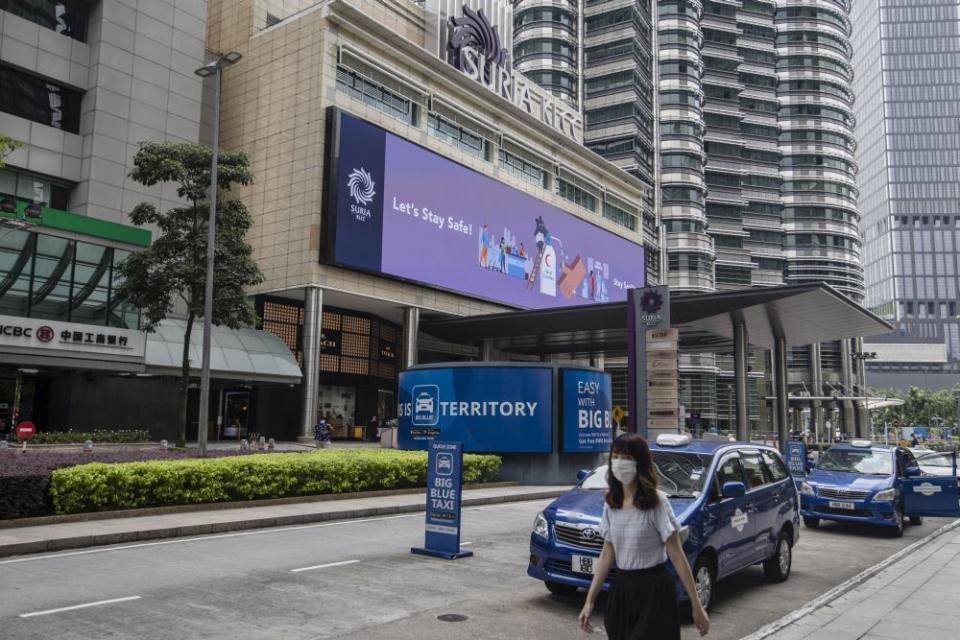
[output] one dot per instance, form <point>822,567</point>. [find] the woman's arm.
<point>680,564</point>
<point>600,572</point>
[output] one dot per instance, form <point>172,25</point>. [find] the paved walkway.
<point>917,597</point>
<point>72,535</point>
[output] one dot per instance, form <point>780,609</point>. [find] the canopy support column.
<point>780,382</point>
<point>411,331</point>
<point>312,318</point>
<point>816,389</point>
<point>740,357</point>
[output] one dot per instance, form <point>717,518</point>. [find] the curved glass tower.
<point>546,45</point>
<point>820,215</point>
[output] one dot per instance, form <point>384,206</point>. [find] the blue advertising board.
<point>488,409</point>
<point>587,403</point>
<point>444,477</point>
<point>797,460</point>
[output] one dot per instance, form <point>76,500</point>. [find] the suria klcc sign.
<point>474,47</point>
<point>395,208</point>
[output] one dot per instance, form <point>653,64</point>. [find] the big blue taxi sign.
<point>497,409</point>
<point>587,403</point>
<point>444,475</point>
<point>797,460</point>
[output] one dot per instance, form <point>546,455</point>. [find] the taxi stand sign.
<point>797,461</point>
<point>444,480</point>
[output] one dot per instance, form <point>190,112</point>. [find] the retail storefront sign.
<point>70,337</point>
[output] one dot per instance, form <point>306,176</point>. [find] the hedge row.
<point>102,487</point>
<point>99,436</point>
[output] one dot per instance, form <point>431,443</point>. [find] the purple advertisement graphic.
<point>454,228</point>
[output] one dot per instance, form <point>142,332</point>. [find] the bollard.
<point>163,445</point>
<point>88,446</point>
<point>270,444</point>
<point>244,445</point>
<point>4,444</point>
<point>262,443</point>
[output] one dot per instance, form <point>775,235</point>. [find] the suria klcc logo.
<point>362,191</point>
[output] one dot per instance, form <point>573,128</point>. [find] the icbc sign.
<point>15,331</point>
<point>45,334</point>
<point>25,430</point>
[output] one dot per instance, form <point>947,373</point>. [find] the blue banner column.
<point>444,480</point>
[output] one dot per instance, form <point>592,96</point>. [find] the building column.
<point>780,381</point>
<point>863,422</point>
<point>411,331</point>
<point>740,358</point>
<point>816,389</point>
<point>846,384</point>
<point>596,360</point>
<point>310,386</point>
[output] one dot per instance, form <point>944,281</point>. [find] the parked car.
<point>874,484</point>
<point>935,463</point>
<point>735,501</point>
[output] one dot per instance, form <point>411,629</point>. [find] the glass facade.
<point>68,17</point>
<point>39,100</point>
<point>908,109</point>
<point>56,278</point>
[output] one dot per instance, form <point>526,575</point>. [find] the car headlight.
<point>887,495</point>
<point>807,489</point>
<point>541,527</point>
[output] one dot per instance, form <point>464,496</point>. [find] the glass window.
<point>375,94</point>
<point>730,471</point>
<point>39,100</point>
<point>865,461</point>
<point>68,17</point>
<point>755,469</point>
<point>522,169</point>
<point>16,256</point>
<point>91,283</point>
<point>680,475</point>
<point>575,194</point>
<point>52,270</point>
<point>457,136</point>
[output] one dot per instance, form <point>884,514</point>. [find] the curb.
<point>90,516</point>
<point>847,586</point>
<point>78,542</point>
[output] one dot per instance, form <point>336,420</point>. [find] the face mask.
<point>624,470</point>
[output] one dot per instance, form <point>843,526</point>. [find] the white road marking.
<point>324,566</point>
<point>216,536</point>
<point>78,606</point>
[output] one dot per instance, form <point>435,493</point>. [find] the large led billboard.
<point>398,209</point>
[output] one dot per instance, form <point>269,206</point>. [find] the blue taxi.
<point>874,484</point>
<point>735,501</point>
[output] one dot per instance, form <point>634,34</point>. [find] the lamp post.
<point>212,68</point>
<point>862,357</point>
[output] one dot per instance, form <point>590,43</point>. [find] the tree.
<point>174,267</point>
<point>7,146</point>
<point>920,407</point>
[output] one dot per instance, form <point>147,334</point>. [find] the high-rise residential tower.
<point>755,163</point>
<point>907,64</point>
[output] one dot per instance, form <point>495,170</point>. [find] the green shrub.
<point>98,436</point>
<point>102,487</point>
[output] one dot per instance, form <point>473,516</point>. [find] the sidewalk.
<point>89,533</point>
<point>916,596</point>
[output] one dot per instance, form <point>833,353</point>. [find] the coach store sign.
<point>50,335</point>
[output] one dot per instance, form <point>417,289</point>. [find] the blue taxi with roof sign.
<point>874,484</point>
<point>735,502</point>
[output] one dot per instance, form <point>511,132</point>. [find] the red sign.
<point>25,430</point>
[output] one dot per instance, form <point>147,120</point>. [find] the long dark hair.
<point>634,446</point>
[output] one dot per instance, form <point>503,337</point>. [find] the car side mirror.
<point>912,472</point>
<point>583,473</point>
<point>734,489</point>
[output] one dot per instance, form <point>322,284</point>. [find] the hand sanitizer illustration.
<point>548,272</point>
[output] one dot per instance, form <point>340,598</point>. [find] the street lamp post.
<point>210,69</point>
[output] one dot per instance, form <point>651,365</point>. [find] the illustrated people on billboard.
<point>593,284</point>
<point>484,241</point>
<point>521,251</point>
<point>503,255</point>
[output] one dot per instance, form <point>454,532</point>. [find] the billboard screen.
<point>399,209</point>
<point>587,399</point>
<point>488,409</point>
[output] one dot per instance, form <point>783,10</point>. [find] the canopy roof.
<point>802,314</point>
<point>242,354</point>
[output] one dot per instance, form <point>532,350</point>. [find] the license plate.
<point>849,506</point>
<point>582,564</point>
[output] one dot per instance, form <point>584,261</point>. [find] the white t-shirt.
<point>638,536</point>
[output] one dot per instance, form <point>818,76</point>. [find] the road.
<point>358,580</point>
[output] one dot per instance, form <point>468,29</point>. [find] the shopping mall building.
<point>404,172</point>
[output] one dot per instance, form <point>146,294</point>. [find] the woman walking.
<point>640,532</point>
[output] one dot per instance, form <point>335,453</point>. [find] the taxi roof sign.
<point>673,439</point>
<point>861,443</point>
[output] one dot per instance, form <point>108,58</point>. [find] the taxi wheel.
<point>705,578</point>
<point>777,567</point>
<point>811,523</point>
<point>897,530</point>
<point>560,589</point>
<point>916,521</point>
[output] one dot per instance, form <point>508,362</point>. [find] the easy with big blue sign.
<point>505,409</point>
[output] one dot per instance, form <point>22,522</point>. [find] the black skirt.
<point>642,605</point>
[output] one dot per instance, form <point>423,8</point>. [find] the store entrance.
<point>236,415</point>
<point>24,395</point>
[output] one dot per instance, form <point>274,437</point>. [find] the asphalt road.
<point>358,580</point>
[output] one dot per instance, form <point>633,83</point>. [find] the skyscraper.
<point>755,163</point>
<point>907,63</point>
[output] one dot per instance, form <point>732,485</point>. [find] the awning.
<point>872,402</point>
<point>245,354</point>
<point>802,314</point>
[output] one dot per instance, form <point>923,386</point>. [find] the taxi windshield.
<point>873,462</point>
<point>679,475</point>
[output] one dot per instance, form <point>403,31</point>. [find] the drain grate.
<point>452,617</point>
